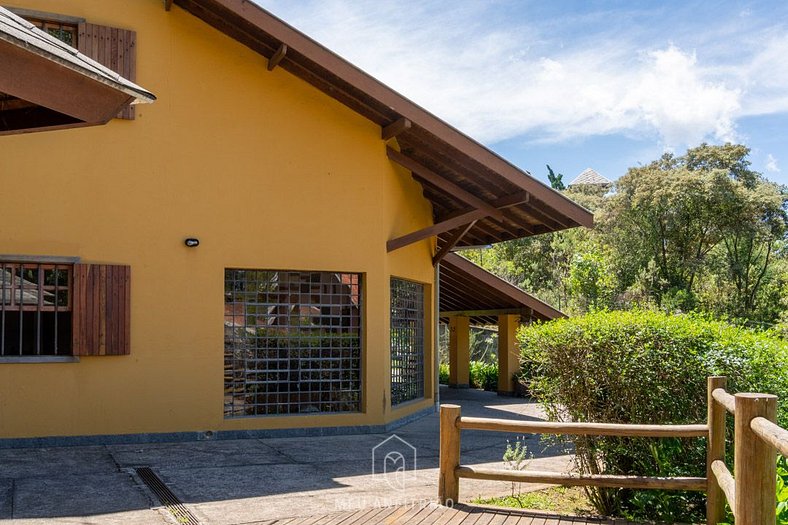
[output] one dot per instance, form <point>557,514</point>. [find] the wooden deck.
<point>434,514</point>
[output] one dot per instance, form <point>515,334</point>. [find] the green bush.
<point>782,491</point>
<point>484,375</point>
<point>645,367</point>
<point>443,374</point>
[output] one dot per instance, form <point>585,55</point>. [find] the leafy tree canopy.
<point>700,231</point>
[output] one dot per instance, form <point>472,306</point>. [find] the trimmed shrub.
<point>484,375</point>
<point>645,367</point>
<point>443,374</point>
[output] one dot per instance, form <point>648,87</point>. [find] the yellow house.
<point>257,252</point>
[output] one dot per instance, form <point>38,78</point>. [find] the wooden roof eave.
<point>48,84</point>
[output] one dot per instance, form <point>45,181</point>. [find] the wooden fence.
<point>750,491</point>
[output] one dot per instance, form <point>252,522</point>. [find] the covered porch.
<point>472,296</point>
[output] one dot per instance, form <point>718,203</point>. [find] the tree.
<point>683,212</point>
<point>700,231</point>
<point>556,181</point>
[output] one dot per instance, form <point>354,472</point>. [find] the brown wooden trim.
<point>442,183</point>
<point>101,310</point>
<point>499,204</point>
<point>589,480</point>
<point>581,428</point>
<point>37,79</point>
<point>113,48</point>
<point>50,128</point>
<point>277,57</point>
<point>14,104</point>
<point>435,229</point>
<point>455,220</point>
<point>397,127</point>
<point>384,96</point>
<point>451,243</point>
<point>43,15</point>
<point>167,5</point>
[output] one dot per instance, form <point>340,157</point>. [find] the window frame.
<point>42,263</point>
<point>269,350</point>
<point>420,339</point>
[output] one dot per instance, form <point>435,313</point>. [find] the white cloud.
<point>771,164</point>
<point>509,79</point>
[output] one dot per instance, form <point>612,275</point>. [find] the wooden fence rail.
<point>749,491</point>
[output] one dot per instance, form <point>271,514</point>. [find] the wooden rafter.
<point>277,57</point>
<point>395,128</point>
<point>442,183</point>
<point>459,219</point>
<point>500,204</point>
<point>435,229</point>
<point>451,243</point>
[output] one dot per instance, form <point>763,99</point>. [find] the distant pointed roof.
<point>591,177</point>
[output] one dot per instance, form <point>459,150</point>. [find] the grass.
<point>563,500</point>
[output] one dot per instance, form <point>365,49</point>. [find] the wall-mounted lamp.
<point>192,242</point>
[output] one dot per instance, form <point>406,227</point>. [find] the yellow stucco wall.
<point>265,170</point>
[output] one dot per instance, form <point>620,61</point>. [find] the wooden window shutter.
<point>101,309</point>
<point>111,47</point>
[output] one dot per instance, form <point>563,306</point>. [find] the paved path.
<point>228,482</point>
<point>433,514</point>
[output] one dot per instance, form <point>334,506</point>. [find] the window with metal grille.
<point>66,33</point>
<point>407,341</point>
<point>35,309</point>
<point>292,342</point>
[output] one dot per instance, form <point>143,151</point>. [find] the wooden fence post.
<point>715,449</point>
<point>754,462</point>
<point>449,483</point>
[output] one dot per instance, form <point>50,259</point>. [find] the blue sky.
<point>576,84</point>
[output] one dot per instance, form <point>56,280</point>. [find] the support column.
<point>508,353</point>
<point>459,351</point>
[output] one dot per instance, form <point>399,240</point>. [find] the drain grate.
<point>170,501</point>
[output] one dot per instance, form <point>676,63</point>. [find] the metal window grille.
<point>407,341</point>
<point>66,33</point>
<point>292,342</point>
<point>35,309</point>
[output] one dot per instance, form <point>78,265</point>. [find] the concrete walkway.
<point>247,481</point>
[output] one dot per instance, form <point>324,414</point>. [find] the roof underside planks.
<point>426,141</point>
<point>467,289</point>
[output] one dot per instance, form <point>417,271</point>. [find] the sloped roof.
<point>484,198</point>
<point>482,296</point>
<point>21,33</point>
<point>591,177</point>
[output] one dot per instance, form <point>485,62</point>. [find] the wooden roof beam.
<point>400,125</point>
<point>500,204</point>
<point>457,219</point>
<point>452,242</point>
<point>435,229</point>
<point>442,183</point>
<point>277,57</point>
